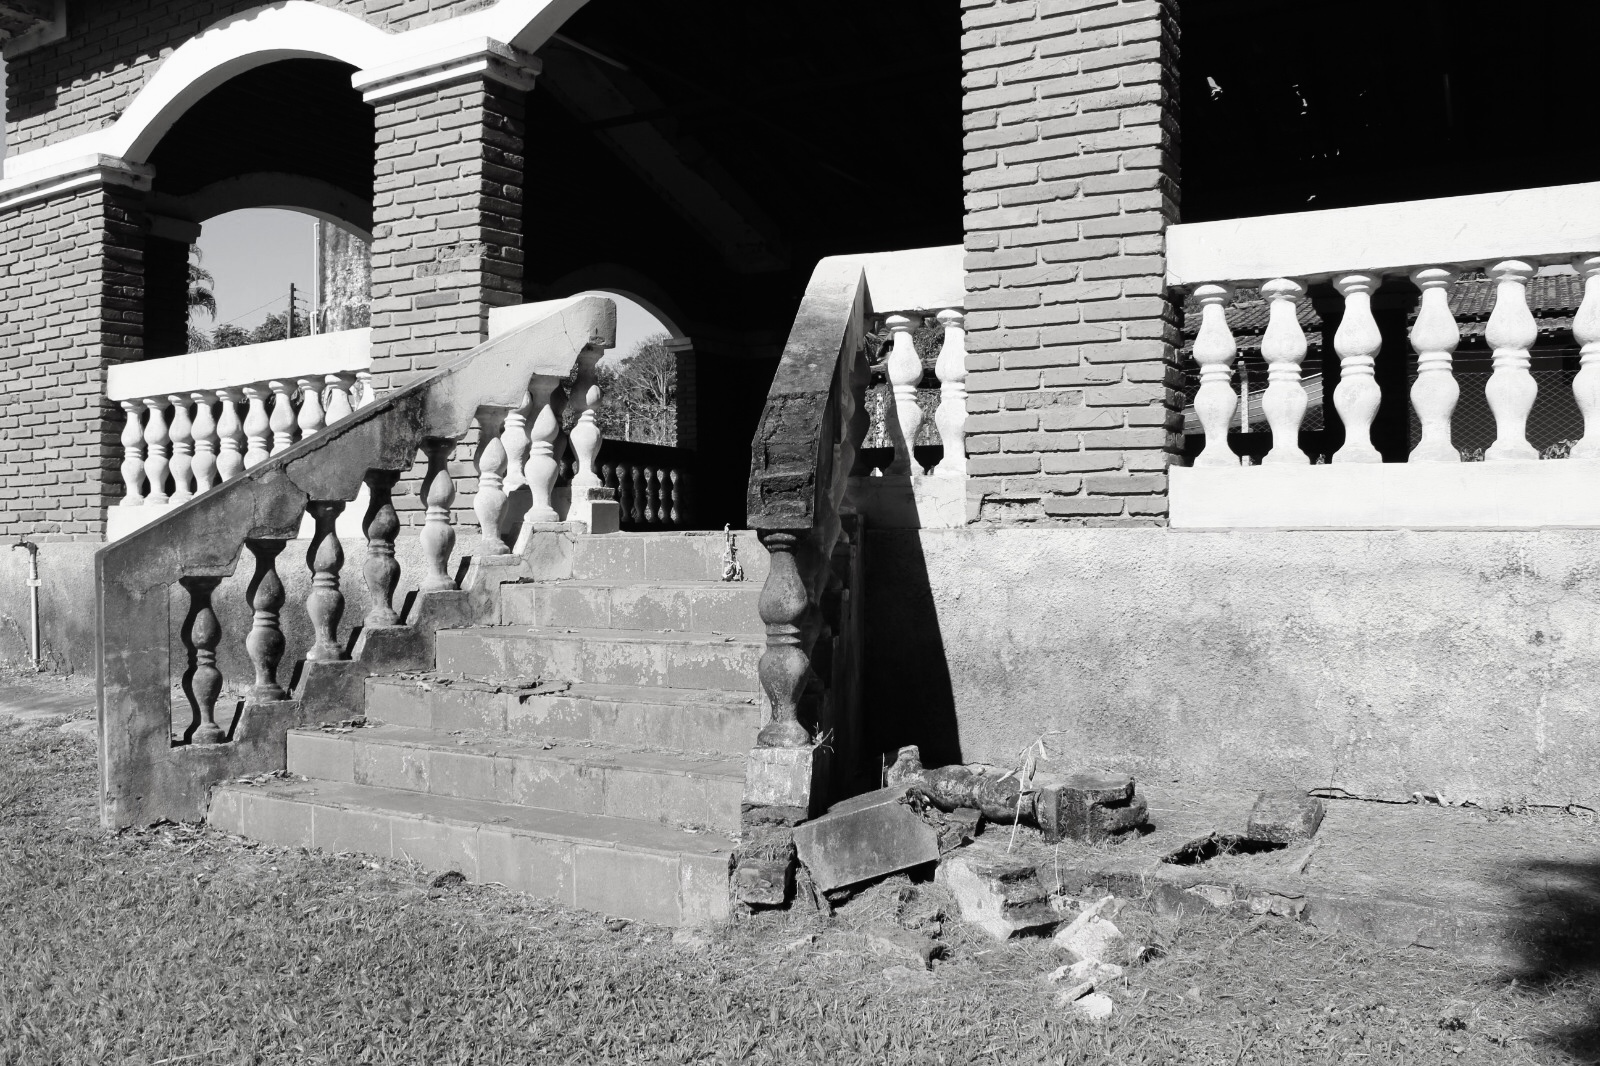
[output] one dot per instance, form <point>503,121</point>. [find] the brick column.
<point>71,304</point>
<point>447,203</point>
<point>1074,397</point>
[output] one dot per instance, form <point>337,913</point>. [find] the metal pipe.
<point>33,595</point>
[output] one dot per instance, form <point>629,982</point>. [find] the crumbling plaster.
<point>1380,662</point>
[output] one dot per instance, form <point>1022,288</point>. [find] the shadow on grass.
<point>1557,939</point>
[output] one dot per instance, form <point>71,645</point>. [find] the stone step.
<point>630,715</point>
<point>670,788</point>
<point>633,869</point>
<point>602,656</point>
<point>696,556</point>
<point>681,606</point>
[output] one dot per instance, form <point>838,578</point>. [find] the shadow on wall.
<point>908,698</point>
<point>1558,936</point>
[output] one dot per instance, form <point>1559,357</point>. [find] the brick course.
<point>1070,112</point>
<point>71,304</point>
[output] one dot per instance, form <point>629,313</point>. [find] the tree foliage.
<point>639,396</point>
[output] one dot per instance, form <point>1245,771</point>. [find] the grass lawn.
<point>180,945</point>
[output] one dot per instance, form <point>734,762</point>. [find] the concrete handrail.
<point>145,773</point>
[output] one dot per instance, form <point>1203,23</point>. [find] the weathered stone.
<point>790,780</point>
<point>866,837</point>
<point>907,766</point>
<point>1001,897</point>
<point>957,828</point>
<point>1090,936</point>
<point>1068,996</point>
<point>763,882</point>
<point>1087,807</point>
<point>896,943</point>
<point>1285,817</point>
<point>1096,1006</point>
<point>1170,901</point>
<point>986,788</point>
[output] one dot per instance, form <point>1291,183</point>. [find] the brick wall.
<point>70,304</point>
<point>1070,113</point>
<point>113,47</point>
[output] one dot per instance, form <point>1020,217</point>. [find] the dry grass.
<point>180,945</point>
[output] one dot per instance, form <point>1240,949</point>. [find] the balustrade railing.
<point>1350,254</point>
<point>192,422</point>
<point>653,485</point>
<point>184,560</point>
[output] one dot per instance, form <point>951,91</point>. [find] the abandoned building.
<point>1240,395</point>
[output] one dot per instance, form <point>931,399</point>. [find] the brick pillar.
<point>1074,396</point>
<point>71,304</point>
<point>447,205</point>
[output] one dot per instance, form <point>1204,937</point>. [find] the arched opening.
<point>260,161</point>
<point>726,151</point>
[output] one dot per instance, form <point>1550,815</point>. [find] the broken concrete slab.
<point>1090,936</point>
<point>867,837</point>
<point>1002,897</point>
<point>958,828</point>
<point>1087,807</point>
<point>1285,817</point>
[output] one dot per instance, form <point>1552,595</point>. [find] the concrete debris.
<point>1001,897</point>
<point>1285,817</point>
<point>1088,807</point>
<point>1096,1006</point>
<point>893,942</point>
<point>958,828</point>
<point>1170,901</point>
<point>868,837</point>
<point>1281,906</point>
<point>991,790</point>
<point>1068,996</point>
<point>1085,970</point>
<point>907,766</point>
<point>1216,895</point>
<point>1090,936</point>
<point>764,867</point>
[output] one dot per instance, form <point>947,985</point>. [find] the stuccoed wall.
<point>1383,663</point>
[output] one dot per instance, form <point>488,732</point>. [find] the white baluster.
<point>1214,350</point>
<point>951,417</point>
<point>541,469</point>
<point>181,435</point>
<point>585,438</point>
<point>230,435</point>
<point>1434,337</point>
<point>515,438</point>
<point>905,371</point>
<point>1511,389</point>
<point>489,503</point>
<point>369,395</point>
<point>339,407</point>
<point>311,419</point>
<point>132,455</point>
<point>438,536</point>
<point>155,450</point>
<point>205,441</point>
<point>1283,346</point>
<point>283,416</point>
<point>1586,385</point>
<point>1358,342</point>
<point>257,426</point>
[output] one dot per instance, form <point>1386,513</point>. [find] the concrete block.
<point>1087,807</point>
<point>597,510</point>
<point>1000,896</point>
<point>1285,817</point>
<point>784,777</point>
<point>869,836</point>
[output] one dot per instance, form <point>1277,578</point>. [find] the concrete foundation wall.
<point>1383,663</point>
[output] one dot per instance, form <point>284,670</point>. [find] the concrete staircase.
<point>588,749</point>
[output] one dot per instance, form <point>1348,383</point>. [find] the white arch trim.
<point>290,29</point>
<point>290,192</point>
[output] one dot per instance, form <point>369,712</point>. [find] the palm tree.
<point>201,298</point>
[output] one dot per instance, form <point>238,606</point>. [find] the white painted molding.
<point>917,279</point>
<point>274,31</point>
<point>1546,225</point>
<point>457,62</point>
<point>74,174</point>
<point>223,368</point>
<point>505,319</point>
<point>320,199</point>
<point>1505,495</point>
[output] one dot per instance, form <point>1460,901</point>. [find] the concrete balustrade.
<point>1510,237</point>
<point>195,421</point>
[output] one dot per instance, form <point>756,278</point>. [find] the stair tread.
<point>645,583</point>
<point>582,690</point>
<point>590,754</point>
<point>592,829</point>
<point>629,636</point>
